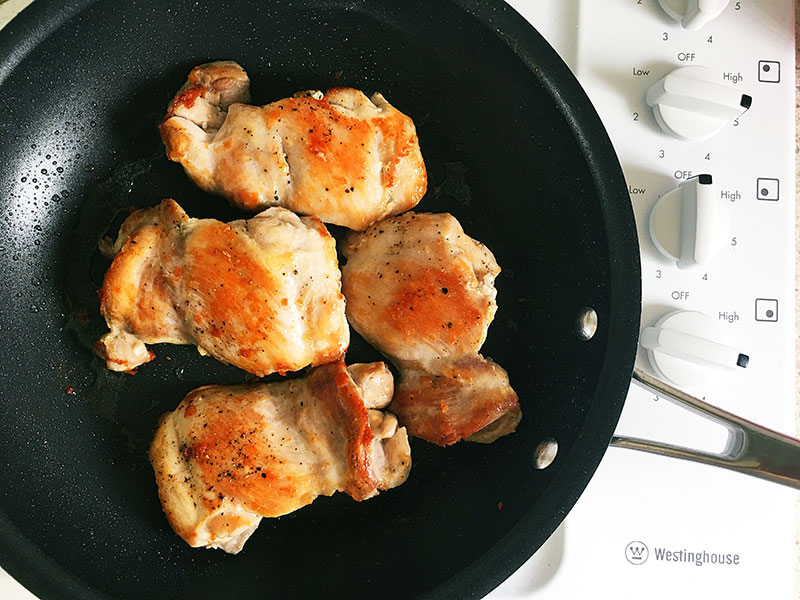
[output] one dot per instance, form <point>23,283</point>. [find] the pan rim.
<point>46,578</point>
<point>509,553</point>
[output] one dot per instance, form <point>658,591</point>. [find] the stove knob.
<point>690,224</point>
<point>693,14</point>
<point>681,349</point>
<point>689,106</point>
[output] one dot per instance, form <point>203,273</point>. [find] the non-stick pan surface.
<point>513,149</point>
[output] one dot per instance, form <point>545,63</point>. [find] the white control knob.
<point>682,350</point>
<point>690,106</point>
<point>690,224</point>
<point>693,14</point>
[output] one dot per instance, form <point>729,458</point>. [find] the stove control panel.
<point>690,224</point>
<point>698,99</point>
<point>689,103</point>
<point>693,14</point>
<point>684,348</point>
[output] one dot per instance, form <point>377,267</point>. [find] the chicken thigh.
<point>262,294</point>
<point>340,156</point>
<point>422,292</point>
<point>230,455</point>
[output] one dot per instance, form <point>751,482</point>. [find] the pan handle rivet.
<point>586,323</point>
<point>545,453</point>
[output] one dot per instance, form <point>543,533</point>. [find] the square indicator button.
<point>766,309</point>
<point>769,71</point>
<point>767,189</point>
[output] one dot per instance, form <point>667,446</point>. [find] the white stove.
<point>647,526</point>
<point>653,527</point>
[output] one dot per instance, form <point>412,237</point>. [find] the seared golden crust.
<point>343,157</point>
<point>229,455</point>
<point>422,292</point>
<point>262,294</point>
<point>466,399</point>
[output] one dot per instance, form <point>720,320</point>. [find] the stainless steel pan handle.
<point>751,449</point>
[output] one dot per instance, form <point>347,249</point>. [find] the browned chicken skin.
<point>422,292</point>
<point>340,156</point>
<point>229,455</point>
<point>262,294</point>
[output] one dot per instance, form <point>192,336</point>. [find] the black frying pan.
<point>513,148</point>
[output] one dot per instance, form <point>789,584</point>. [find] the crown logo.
<point>636,553</point>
